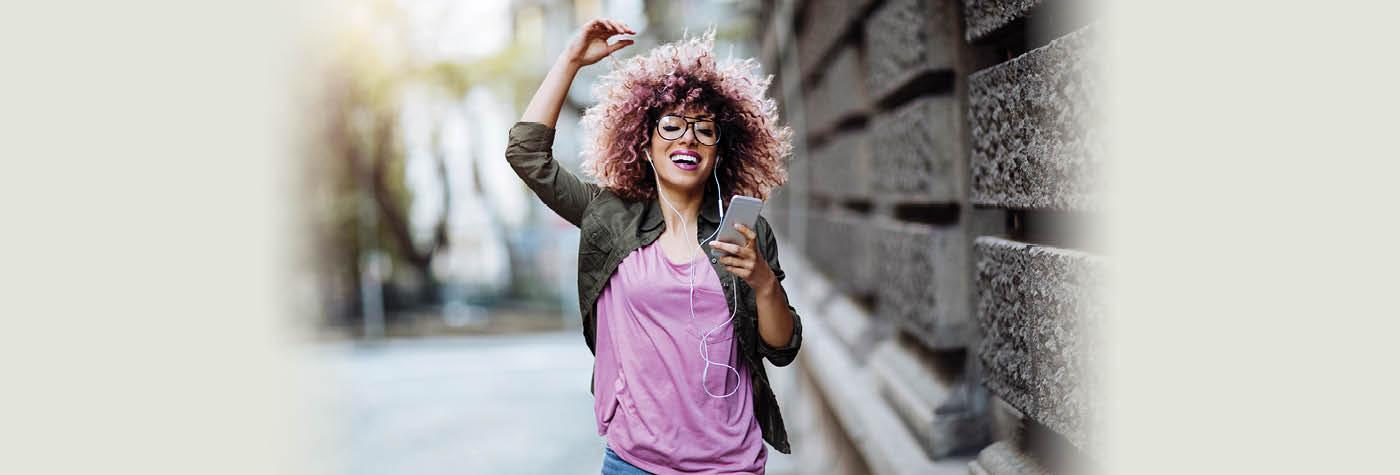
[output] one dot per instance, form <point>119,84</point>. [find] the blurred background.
<point>933,231</point>
<point>442,291</point>
<point>279,237</point>
<point>418,224</point>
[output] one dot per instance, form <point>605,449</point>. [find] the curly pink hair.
<point>631,97</point>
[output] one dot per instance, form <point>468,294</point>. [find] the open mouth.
<point>686,160</point>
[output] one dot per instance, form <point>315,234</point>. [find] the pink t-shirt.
<point>647,394</point>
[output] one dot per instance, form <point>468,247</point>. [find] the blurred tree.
<point>358,200</point>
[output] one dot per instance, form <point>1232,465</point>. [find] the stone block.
<point>1037,307</point>
<point>840,245</point>
<point>824,25</point>
<point>1002,458</point>
<point>839,93</point>
<point>842,166</point>
<point>906,38</point>
<point>936,405</point>
<point>857,328</point>
<point>915,152</point>
<point>813,426</point>
<point>987,16</point>
<point>924,285</point>
<point>1035,143</point>
<point>876,430</point>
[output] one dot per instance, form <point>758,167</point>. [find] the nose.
<point>689,136</point>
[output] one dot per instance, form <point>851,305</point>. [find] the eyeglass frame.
<point>689,127</point>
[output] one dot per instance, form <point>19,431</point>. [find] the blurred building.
<point>936,227</point>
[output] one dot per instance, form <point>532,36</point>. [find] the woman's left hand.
<point>746,261</point>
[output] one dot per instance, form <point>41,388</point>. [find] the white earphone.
<point>704,348</point>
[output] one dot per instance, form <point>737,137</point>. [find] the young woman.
<point>678,334</point>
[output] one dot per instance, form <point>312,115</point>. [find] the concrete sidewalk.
<point>498,404</point>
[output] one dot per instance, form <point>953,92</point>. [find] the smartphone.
<point>742,210</point>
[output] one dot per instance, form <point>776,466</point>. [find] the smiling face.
<point>684,161</point>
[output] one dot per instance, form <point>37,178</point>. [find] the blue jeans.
<point>614,465</point>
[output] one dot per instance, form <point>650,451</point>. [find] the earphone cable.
<point>734,308</point>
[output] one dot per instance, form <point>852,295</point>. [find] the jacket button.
<point>714,260</point>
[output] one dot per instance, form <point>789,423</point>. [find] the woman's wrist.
<point>767,290</point>
<point>567,64</point>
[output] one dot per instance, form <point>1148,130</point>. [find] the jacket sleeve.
<point>778,356</point>
<point>530,153</point>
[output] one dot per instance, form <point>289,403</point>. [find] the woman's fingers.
<point>741,272</point>
<point>617,28</point>
<point>620,28</point>
<point>601,28</point>
<point>748,233</point>
<point>734,249</point>
<point>608,28</point>
<point>619,45</point>
<point>731,261</point>
<point>726,247</point>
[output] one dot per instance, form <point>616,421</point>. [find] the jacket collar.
<point>654,214</point>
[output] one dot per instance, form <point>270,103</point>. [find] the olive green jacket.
<point>611,227</point>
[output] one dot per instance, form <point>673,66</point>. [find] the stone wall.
<point>945,162</point>
<point>1032,145</point>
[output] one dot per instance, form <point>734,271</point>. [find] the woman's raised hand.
<point>590,45</point>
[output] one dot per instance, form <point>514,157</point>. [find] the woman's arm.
<point>530,148</point>
<point>589,46</point>
<point>779,327</point>
<point>775,320</point>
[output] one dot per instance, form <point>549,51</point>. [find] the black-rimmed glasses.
<point>673,127</point>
